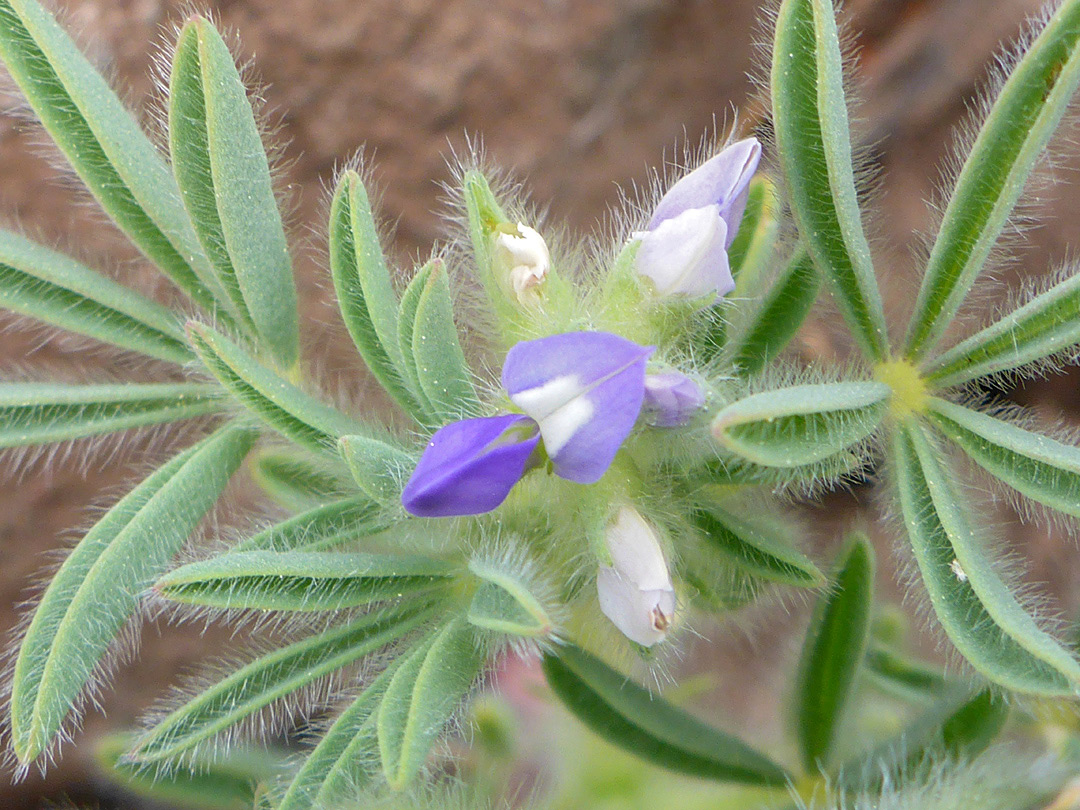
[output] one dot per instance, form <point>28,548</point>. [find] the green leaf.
<point>410,299</point>
<point>1037,330</point>
<point>378,467</point>
<point>97,589</point>
<point>803,424</point>
<point>752,250</point>
<point>324,527</point>
<point>255,686</point>
<point>223,783</point>
<point>224,176</point>
<point>292,412</point>
<point>833,652</point>
<point>300,580</point>
<point>43,284</point>
<point>365,293</point>
<point>648,726</point>
<point>1044,470</point>
<point>342,759</point>
<point>103,143</point>
<point>977,610</point>
<point>41,413</point>
<point>1017,130</point>
<point>813,140</point>
<point>299,480</point>
<point>762,549</point>
<point>778,316</point>
<point>899,673</point>
<point>440,364</point>
<point>505,604</point>
<point>424,692</point>
<point>485,216</point>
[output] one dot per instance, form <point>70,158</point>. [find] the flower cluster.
<point>580,394</point>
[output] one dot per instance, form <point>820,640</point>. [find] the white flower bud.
<point>526,257</point>
<point>635,591</point>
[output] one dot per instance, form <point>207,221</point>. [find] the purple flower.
<point>469,467</point>
<point>671,399</point>
<point>684,248</point>
<point>585,390</point>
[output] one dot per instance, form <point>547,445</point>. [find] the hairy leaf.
<point>832,654</point>
<point>364,291</point>
<point>648,726</point>
<point>40,413</point>
<point>378,467</point>
<point>103,143</point>
<point>754,246</point>
<point>1037,330</point>
<point>54,288</point>
<point>814,145</point>
<point>977,610</point>
<point>298,479</point>
<point>300,580</point>
<point>505,604</point>
<point>223,173</point>
<point>777,318</point>
<point>804,424</point>
<point>763,550</point>
<point>327,526</point>
<point>440,364</point>
<point>410,300</point>
<point>97,589</point>
<point>895,671</point>
<point>280,404</point>
<point>1017,129</point>
<point>269,678</point>
<point>1044,470</point>
<point>424,692</point>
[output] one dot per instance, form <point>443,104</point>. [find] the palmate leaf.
<point>1044,470</point>
<point>324,527</point>
<point>51,287</point>
<point>342,760</point>
<point>103,143</point>
<point>801,425</point>
<point>775,320</point>
<point>226,783</point>
<point>1039,329</point>
<point>301,580</point>
<point>223,173</point>
<point>271,677</point>
<point>287,409</point>
<point>977,610</point>
<point>648,726</point>
<point>814,144</point>
<point>832,655</point>
<point>365,293</point>
<point>97,589</point>
<point>1023,118</point>
<point>762,549</point>
<point>424,692</point>
<point>42,413</point>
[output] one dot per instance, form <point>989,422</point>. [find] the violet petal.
<point>687,254</point>
<point>469,467</point>
<point>671,399</point>
<point>722,180</point>
<point>585,390</point>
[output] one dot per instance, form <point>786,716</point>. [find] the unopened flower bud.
<point>671,399</point>
<point>684,249</point>
<point>635,591</point>
<point>524,254</point>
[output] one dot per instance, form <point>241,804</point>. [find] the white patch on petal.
<point>559,406</point>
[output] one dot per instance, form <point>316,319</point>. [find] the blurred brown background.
<point>575,95</point>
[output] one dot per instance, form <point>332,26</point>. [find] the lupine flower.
<point>585,390</point>
<point>525,256</point>
<point>635,591</point>
<point>684,248</point>
<point>469,467</point>
<point>671,399</point>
